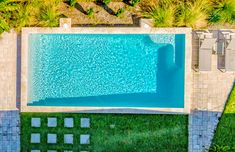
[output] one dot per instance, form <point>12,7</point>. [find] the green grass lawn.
<point>224,137</point>
<point>112,132</point>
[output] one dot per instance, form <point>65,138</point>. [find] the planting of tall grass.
<point>222,11</point>
<point>165,13</point>
<point>192,14</point>
<point>197,14</point>
<point>162,17</point>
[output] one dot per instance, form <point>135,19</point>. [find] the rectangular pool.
<point>106,70</point>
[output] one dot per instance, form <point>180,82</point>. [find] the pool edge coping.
<point>107,30</point>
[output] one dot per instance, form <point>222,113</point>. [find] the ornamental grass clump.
<point>162,17</point>
<point>192,14</point>
<point>72,3</point>
<point>120,12</point>
<point>222,11</point>
<point>134,2</point>
<point>90,12</point>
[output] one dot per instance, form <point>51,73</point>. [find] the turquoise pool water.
<point>106,70</point>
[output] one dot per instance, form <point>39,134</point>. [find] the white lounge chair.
<point>229,51</point>
<point>206,46</point>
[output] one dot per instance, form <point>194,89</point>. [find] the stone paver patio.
<point>210,92</point>
<point>9,99</point>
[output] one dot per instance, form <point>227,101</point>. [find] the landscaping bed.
<point>110,132</point>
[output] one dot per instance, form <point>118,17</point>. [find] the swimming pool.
<point>106,70</point>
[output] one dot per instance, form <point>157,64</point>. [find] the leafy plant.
<point>90,12</point>
<point>134,2</point>
<point>120,12</point>
<point>72,3</point>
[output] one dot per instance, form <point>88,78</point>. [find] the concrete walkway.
<point>210,92</point>
<point>9,113</point>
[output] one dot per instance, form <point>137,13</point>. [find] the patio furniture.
<point>206,46</point>
<point>229,51</point>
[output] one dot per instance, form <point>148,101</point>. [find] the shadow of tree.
<point>80,8</point>
<point>105,7</point>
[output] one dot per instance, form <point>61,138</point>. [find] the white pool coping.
<point>106,30</point>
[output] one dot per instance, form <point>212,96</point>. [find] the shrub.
<point>120,12</point>
<point>90,12</point>
<point>134,2</point>
<point>72,3</point>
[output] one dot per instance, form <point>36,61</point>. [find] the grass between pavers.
<point>111,132</point>
<point>224,137</point>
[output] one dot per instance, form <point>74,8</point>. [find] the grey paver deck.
<point>35,138</point>
<point>68,122</point>
<point>84,139</point>
<point>51,122</point>
<point>210,92</point>
<point>85,122</point>
<point>68,138</point>
<point>35,122</point>
<point>9,131</point>
<point>51,138</point>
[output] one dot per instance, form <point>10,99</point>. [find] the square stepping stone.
<point>35,138</point>
<point>35,150</point>
<point>85,122</point>
<point>35,122</point>
<point>51,138</point>
<point>51,122</point>
<point>68,138</point>
<point>84,139</point>
<point>68,122</point>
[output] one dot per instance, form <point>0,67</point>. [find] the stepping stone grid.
<point>52,138</point>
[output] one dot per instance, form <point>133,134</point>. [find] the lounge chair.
<point>206,45</point>
<point>229,51</point>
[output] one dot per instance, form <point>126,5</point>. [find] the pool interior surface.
<point>106,70</point>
